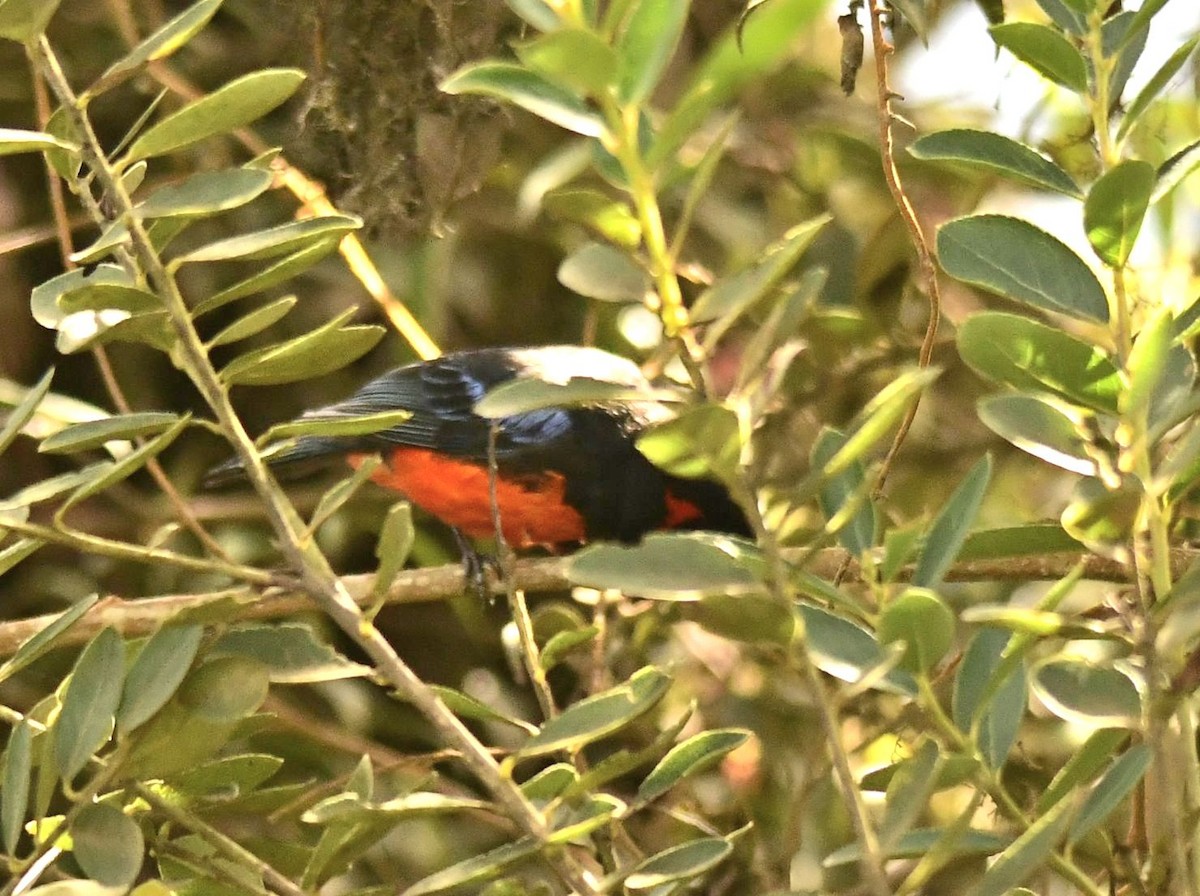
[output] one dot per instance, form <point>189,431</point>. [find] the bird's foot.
<point>476,565</point>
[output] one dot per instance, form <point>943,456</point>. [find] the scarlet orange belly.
<point>532,508</point>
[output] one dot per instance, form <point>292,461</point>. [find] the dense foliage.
<point>958,657</point>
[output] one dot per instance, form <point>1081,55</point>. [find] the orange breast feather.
<point>532,508</point>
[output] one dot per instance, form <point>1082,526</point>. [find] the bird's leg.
<point>476,565</point>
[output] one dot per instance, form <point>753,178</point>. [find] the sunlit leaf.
<point>1045,50</point>
<point>162,43</point>
<point>1097,696</point>
<point>646,45</point>
<point>997,154</point>
<point>529,90</point>
<point>231,106</point>
<point>1115,207</point>
<point>315,353</point>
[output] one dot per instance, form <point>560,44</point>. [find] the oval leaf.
<point>108,845</point>
<point>687,860</point>
<point>1039,427</point>
<point>1114,209</point>
<point>600,715</point>
<point>601,272</point>
<point>157,672</point>
<point>1045,50</point>
<point>997,154</point>
<point>94,433</point>
<point>644,48</point>
<point>235,104</point>
<point>162,43</point>
<point>1097,696</point>
<point>694,755</point>
<point>670,566</point>
<point>273,241</point>
<point>529,90</point>
<point>205,193</point>
<point>1012,257</point>
<point>317,352</point>
<point>1031,356</point>
<point>921,620</point>
<point>89,703</point>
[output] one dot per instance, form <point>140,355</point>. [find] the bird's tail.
<point>297,456</point>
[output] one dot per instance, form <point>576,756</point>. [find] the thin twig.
<point>516,596</point>
<point>883,49</point>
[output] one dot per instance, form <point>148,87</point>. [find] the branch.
<point>139,617</point>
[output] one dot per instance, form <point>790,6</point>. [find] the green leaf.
<point>336,496</point>
<point>14,784</point>
<point>1172,172</point>
<point>780,325</point>
<point>724,303</point>
<point>917,17</point>
<point>17,551</point>
<point>1012,257</point>
<point>600,715</point>
<point>1103,518</point>
<point>122,469</point>
<point>315,353</point>
<point>20,415</point>
<point>225,689</point>
<point>396,537</point>
<point>1155,86</point>
<point>537,13</point>
<point>678,863</point>
<point>94,433</point>
<point>240,774</point>
<point>922,621</point>
<point>839,493</point>
<point>562,643</point>
<point>694,755</point>
<point>572,823</point>
<point>231,106</point>
<point>1123,39</point>
<point>1031,356</point>
<point>950,529</point>
<point>1067,15</point>
<point>254,322</point>
<point>467,707</point>
<point>206,193</point>
<point>875,421</point>
<point>645,46</point>
<point>918,843</point>
<point>1027,853</point>
<point>291,653</point>
<point>1087,694</point>
<point>673,566</point>
<point>989,710</point>
<point>1085,763</point>
<point>908,792</point>
<point>274,241</point>
<point>597,271</point>
<point>1114,209</point>
<point>89,703</point>
<point>1040,427</point>
<point>157,673</point>
<point>476,869</point>
<point>1045,50</point>
<point>1117,783</point>
<point>750,618</point>
<point>1017,541</point>
<point>108,845</point>
<point>24,20</point>
<point>162,43</point>
<point>39,643</point>
<point>610,218</point>
<point>529,90</point>
<point>997,154</point>
<point>351,425</point>
<point>703,441</point>
<point>574,57</point>
<point>849,652</point>
<point>44,300</point>
<point>14,141</point>
<point>279,272</point>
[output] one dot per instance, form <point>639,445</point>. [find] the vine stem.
<point>882,51</point>
<point>315,575</point>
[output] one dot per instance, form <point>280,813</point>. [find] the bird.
<point>564,476</point>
